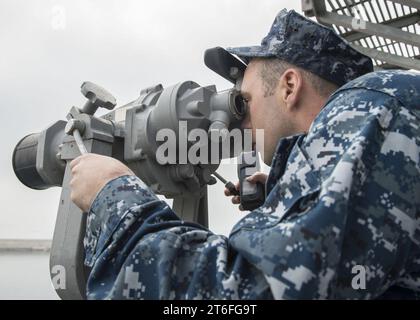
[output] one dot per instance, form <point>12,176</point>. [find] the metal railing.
<point>387,31</point>
<point>24,245</point>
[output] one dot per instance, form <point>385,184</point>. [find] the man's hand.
<point>90,173</point>
<point>256,177</point>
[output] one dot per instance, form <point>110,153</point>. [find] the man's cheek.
<point>73,197</point>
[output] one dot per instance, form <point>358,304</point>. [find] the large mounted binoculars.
<point>132,134</point>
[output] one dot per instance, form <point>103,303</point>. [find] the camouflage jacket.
<point>341,218</point>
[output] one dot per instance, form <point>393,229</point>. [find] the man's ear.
<point>289,87</point>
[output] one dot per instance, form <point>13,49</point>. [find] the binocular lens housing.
<point>35,161</point>
<point>24,162</point>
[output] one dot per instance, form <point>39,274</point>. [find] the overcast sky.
<point>122,45</point>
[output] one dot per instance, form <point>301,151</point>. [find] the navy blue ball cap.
<point>310,46</point>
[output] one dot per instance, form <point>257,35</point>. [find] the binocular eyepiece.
<point>239,106</point>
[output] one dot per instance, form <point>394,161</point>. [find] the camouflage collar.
<point>279,162</point>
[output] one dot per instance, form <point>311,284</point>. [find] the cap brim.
<point>246,53</point>
<point>221,62</point>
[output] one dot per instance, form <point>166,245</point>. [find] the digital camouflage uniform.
<point>344,196</point>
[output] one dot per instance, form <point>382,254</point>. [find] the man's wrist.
<point>109,207</point>
<point>121,193</point>
<point>102,190</point>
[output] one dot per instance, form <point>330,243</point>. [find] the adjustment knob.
<point>97,97</point>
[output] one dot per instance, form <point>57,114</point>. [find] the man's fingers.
<point>75,161</point>
<point>236,200</point>
<point>257,177</point>
<point>227,191</point>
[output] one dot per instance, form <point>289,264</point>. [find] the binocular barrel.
<point>35,161</point>
<point>24,162</point>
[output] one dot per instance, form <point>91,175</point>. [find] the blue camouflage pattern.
<point>344,195</point>
<point>311,46</point>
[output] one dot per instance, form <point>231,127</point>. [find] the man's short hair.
<point>272,69</point>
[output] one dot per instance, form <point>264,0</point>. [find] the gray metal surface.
<point>67,246</point>
<point>388,31</point>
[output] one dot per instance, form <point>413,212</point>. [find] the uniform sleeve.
<point>138,248</point>
<point>339,223</point>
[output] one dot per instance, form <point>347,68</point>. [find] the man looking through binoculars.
<point>342,192</point>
